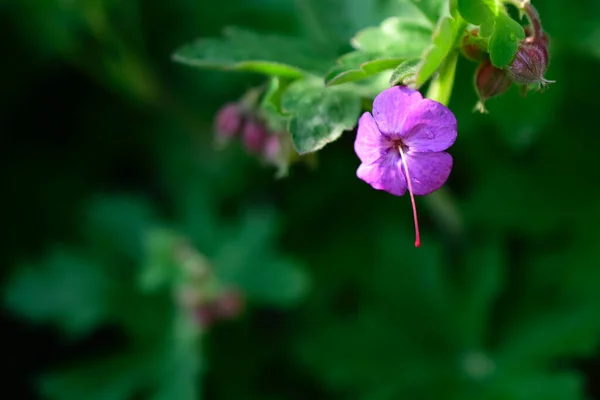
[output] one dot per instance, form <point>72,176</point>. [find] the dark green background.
<point>92,107</point>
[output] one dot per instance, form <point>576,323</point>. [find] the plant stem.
<point>441,86</point>
<point>441,202</point>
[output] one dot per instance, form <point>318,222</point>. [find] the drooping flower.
<point>401,146</point>
<point>228,121</point>
<point>530,64</point>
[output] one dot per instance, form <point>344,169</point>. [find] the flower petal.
<point>369,144</point>
<point>385,174</point>
<point>390,109</point>
<point>429,126</point>
<point>428,171</point>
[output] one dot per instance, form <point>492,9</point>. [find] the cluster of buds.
<point>240,120</point>
<point>199,292</point>
<point>228,305</point>
<point>528,67</point>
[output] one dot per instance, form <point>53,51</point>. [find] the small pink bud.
<point>229,121</point>
<point>254,136</point>
<point>272,149</point>
<point>530,64</point>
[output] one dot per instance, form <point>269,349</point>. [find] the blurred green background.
<point>108,159</point>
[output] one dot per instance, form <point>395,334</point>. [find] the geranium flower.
<point>401,146</point>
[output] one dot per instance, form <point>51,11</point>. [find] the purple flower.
<point>401,146</point>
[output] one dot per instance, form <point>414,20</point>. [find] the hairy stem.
<point>440,88</point>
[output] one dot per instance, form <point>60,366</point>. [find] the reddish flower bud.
<point>229,121</point>
<point>491,81</point>
<point>530,64</point>
<point>205,315</point>
<point>471,50</point>
<point>254,136</point>
<point>229,305</point>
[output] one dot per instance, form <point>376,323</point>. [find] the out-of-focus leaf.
<point>483,271</point>
<point>244,50</point>
<point>246,262</point>
<point>523,385</point>
<point>334,22</point>
<point>395,37</point>
<point>118,224</point>
<point>112,378</point>
<point>161,268</point>
<point>478,12</point>
<point>64,289</point>
<point>432,9</point>
<point>319,115</point>
<point>545,336</point>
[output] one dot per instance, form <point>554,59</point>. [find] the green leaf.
<point>160,268</point>
<point>334,22</point>
<point>358,65</point>
<point>271,104</point>
<point>395,37</point>
<point>504,41</point>
<point>443,40</point>
<point>244,50</point>
<point>478,12</point>
<point>432,9</point>
<point>381,48</point>
<point>117,225</point>
<point>65,289</point>
<point>319,115</point>
<point>405,71</point>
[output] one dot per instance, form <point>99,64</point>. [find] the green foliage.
<point>504,40</point>
<point>444,39</point>
<point>320,114</point>
<point>405,71</point>
<point>68,290</point>
<point>121,212</point>
<point>505,33</point>
<point>247,51</point>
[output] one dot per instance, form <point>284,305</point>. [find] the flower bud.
<point>273,148</point>
<point>491,81</point>
<point>204,315</point>
<point>530,64</point>
<point>229,305</point>
<point>254,136</point>
<point>228,121</point>
<point>471,50</point>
